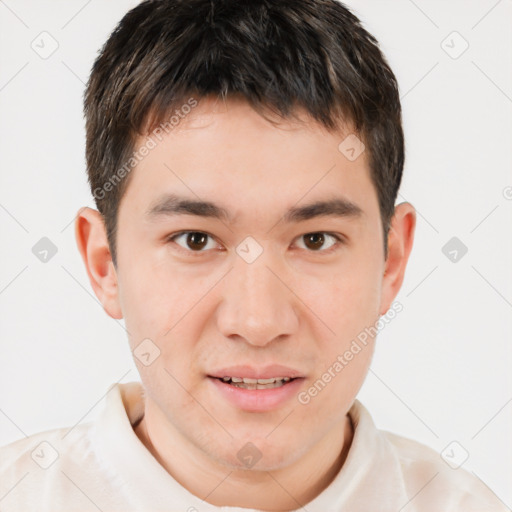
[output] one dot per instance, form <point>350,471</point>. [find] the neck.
<point>284,489</point>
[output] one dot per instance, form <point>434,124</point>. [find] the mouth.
<point>248,383</point>
<point>257,393</point>
<point>257,388</point>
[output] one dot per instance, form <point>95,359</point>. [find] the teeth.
<point>248,383</point>
<point>247,380</point>
<point>265,381</point>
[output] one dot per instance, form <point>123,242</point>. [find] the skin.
<point>294,305</point>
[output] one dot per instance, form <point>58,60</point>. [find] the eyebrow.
<point>172,204</point>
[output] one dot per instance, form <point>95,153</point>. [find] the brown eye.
<point>315,242</point>
<point>194,241</point>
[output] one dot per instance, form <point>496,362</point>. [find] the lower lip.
<point>258,400</point>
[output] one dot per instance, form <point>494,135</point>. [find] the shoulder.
<point>434,481</point>
<point>43,448</point>
<point>41,465</point>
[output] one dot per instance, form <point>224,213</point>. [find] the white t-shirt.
<point>103,466</point>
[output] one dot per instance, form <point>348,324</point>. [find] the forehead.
<point>212,115</point>
<point>204,110</point>
<point>225,151</point>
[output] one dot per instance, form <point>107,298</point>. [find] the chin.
<point>258,454</point>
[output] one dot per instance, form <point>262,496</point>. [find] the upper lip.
<point>252,372</point>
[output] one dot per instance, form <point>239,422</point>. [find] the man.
<point>245,159</point>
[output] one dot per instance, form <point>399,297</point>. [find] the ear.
<point>91,238</point>
<point>400,240</point>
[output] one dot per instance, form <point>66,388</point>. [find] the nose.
<point>257,304</point>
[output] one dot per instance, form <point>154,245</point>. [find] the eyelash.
<point>334,247</point>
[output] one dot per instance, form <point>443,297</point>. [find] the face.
<point>259,284</point>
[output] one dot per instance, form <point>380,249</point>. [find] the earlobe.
<point>91,239</point>
<point>400,242</point>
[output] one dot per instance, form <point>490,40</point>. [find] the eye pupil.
<point>317,240</point>
<point>196,240</point>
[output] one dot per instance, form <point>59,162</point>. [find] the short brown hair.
<point>276,54</point>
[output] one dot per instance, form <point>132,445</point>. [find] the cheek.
<point>165,309</point>
<point>346,300</point>
<point>348,305</point>
<point>154,299</point>
<point>341,372</point>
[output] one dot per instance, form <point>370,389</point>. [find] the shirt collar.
<point>140,476</point>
